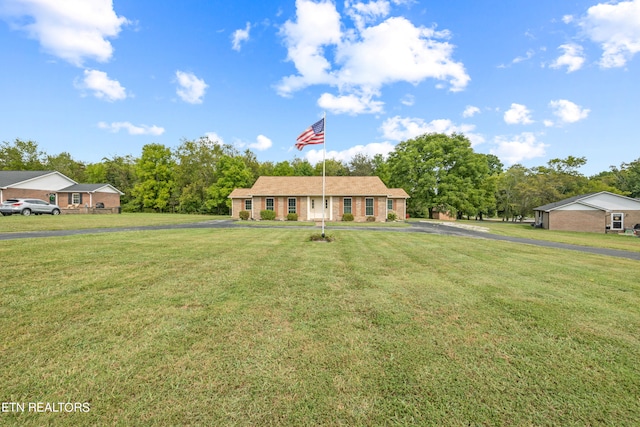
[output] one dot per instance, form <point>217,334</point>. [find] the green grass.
<point>264,327</point>
<point>609,241</point>
<point>15,223</point>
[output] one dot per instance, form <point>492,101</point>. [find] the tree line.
<point>441,173</point>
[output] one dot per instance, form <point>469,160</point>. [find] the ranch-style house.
<point>54,187</point>
<point>602,212</point>
<point>362,196</point>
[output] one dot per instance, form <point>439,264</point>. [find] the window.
<point>347,206</point>
<point>75,199</point>
<point>313,204</point>
<point>390,204</point>
<point>270,205</point>
<point>368,205</point>
<point>326,203</point>
<point>247,205</point>
<point>292,205</point>
<point>616,221</point>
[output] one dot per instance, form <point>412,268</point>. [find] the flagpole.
<point>324,155</point>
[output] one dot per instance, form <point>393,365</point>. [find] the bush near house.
<point>292,217</point>
<point>267,215</point>
<point>347,217</point>
<point>371,219</point>
<point>244,215</point>
<point>392,216</point>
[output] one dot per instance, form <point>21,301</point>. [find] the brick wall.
<point>14,193</point>
<point>588,221</point>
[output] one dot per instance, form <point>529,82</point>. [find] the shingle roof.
<point>312,185</point>
<point>8,178</point>
<point>570,200</point>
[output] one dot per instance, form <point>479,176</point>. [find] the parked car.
<point>27,207</point>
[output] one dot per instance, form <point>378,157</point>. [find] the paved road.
<point>416,227</point>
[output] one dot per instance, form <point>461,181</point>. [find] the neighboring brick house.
<point>54,187</point>
<point>595,212</point>
<point>362,196</point>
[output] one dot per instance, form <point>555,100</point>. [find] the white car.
<point>27,207</point>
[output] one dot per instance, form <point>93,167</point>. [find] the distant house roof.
<point>12,178</point>
<point>589,199</point>
<point>312,185</point>
<point>89,188</point>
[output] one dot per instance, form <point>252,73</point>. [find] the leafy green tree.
<point>627,178</point>
<point>283,168</point>
<point>155,171</point>
<point>195,172</point>
<point>232,173</point>
<point>21,156</point>
<point>440,173</point>
<point>119,171</point>
<point>381,168</point>
<point>67,166</point>
<point>333,167</point>
<point>361,165</point>
<point>302,167</point>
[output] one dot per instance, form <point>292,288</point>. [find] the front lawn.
<point>254,327</point>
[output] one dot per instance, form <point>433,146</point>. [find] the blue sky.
<point>526,81</point>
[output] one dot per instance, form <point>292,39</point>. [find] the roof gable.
<point>38,180</point>
<point>603,200</point>
<point>91,188</point>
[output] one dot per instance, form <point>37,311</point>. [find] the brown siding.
<point>589,221</point>
<point>13,193</point>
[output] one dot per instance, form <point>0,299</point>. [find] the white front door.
<point>315,208</point>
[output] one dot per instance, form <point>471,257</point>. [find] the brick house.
<point>362,196</point>
<point>601,212</point>
<point>54,187</point>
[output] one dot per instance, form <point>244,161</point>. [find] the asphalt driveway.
<point>416,227</point>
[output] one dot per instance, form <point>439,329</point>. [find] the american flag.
<point>314,134</point>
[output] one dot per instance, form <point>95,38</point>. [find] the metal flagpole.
<point>324,155</point>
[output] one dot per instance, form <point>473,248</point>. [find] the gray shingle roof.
<point>8,178</point>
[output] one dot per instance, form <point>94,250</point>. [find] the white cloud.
<point>572,58</point>
<point>518,114</point>
<point>262,143</point>
<point>470,111</point>
<point>383,148</point>
<point>518,148</point>
<point>102,86</point>
<point>567,19</point>
<point>616,27</point>
<point>363,13</point>
<point>214,138</point>
<point>190,89</point>
<point>240,36</point>
<point>567,111</point>
<point>115,127</point>
<point>365,58</point>
<point>403,128</point>
<point>530,53</point>
<point>408,100</point>
<point>73,30</point>
<point>350,104</point>
<point>317,26</point>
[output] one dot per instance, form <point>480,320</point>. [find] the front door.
<point>316,208</point>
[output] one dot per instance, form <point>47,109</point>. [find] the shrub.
<point>292,217</point>
<point>267,215</point>
<point>371,219</point>
<point>347,217</point>
<point>244,215</point>
<point>392,216</point>
<point>318,238</point>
